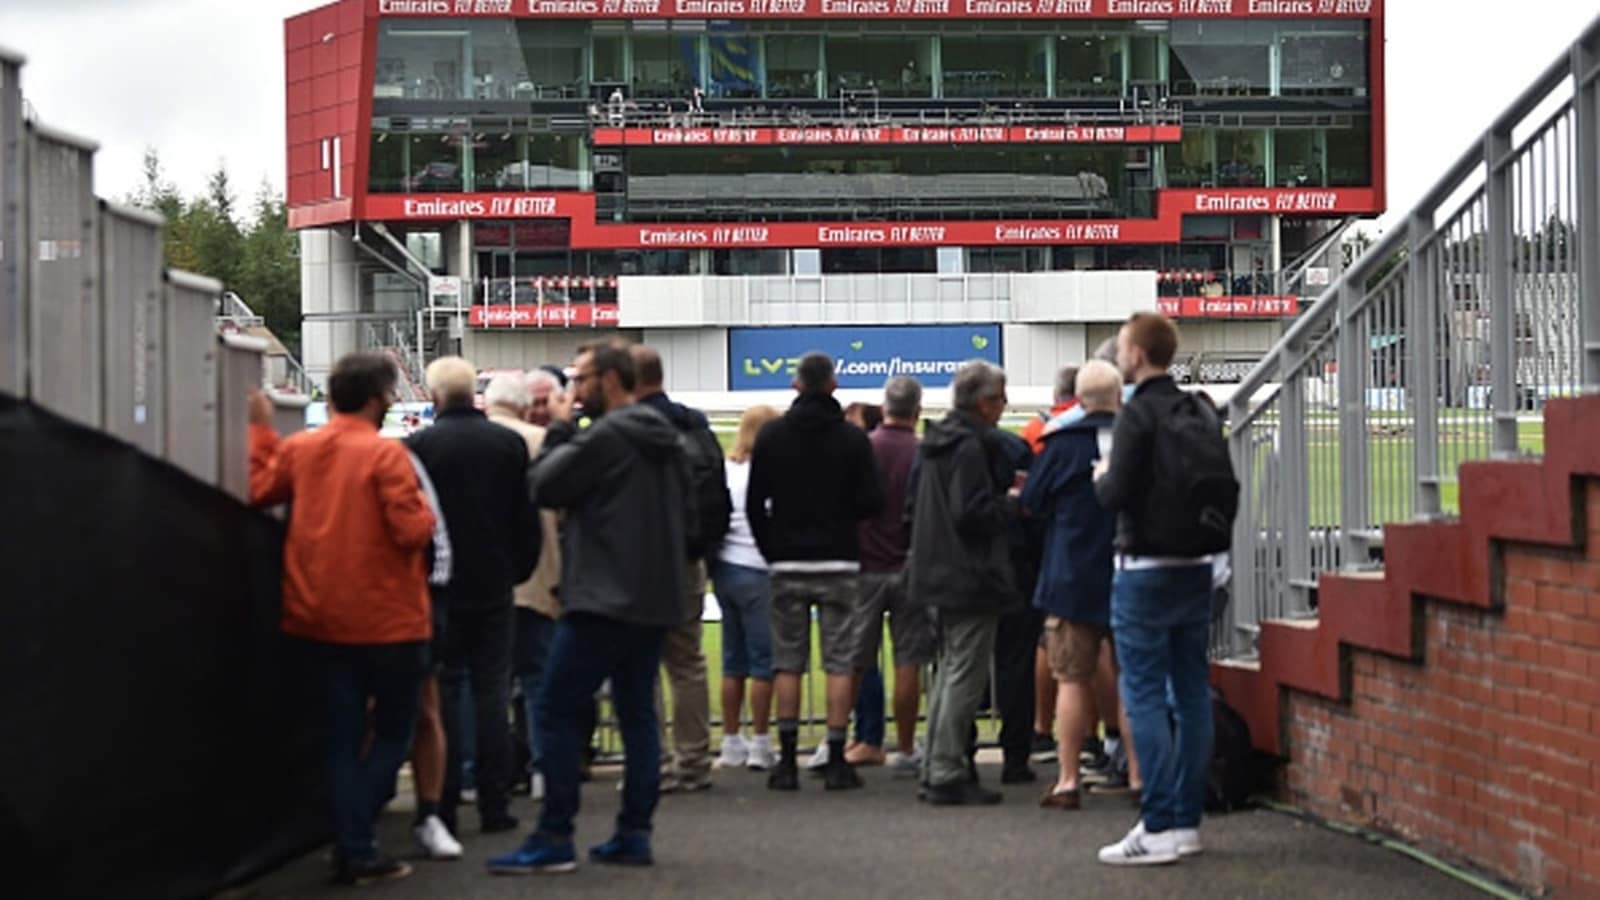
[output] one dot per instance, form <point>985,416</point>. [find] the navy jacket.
<point>1075,576</point>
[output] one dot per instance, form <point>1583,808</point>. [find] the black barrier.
<point>159,739</point>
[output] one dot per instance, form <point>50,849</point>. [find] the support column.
<point>1422,341</point>
<point>1353,471</point>
<point>1500,234</point>
<point>1586,106</point>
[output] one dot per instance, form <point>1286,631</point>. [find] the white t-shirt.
<point>739,547</point>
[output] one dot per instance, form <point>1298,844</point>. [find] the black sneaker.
<point>785,776</point>
<point>498,824</point>
<point>1043,749</point>
<point>962,793</point>
<point>370,870</point>
<point>1092,756</point>
<point>1017,773</point>
<point>840,776</point>
<point>1114,783</point>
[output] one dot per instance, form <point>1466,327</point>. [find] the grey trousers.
<point>966,644</point>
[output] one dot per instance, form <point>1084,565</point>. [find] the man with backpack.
<point>681,654</point>
<point>813,479</point>
<point>1171,483</point>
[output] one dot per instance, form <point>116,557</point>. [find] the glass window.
<point>1297,158</point>
<point>608,59</point>
<point>1350,154</point>
<point>551,55</point>
<point>995,66</point>
<point>665,65</point>
<point>498,161</point>
<point>1242,158</point>
<point>387,169</point>
<point>423,60</point>
<point>1144,57</point>
<point>732,61</point>
<point>1193,163</point>
<point>535,162</point>
<point>433,162</point>
<point>792,65</point>
<point>1221,58</point>
<point>894,66</point>
<point>1326,60</point>
<point>750,262</point>
<point>1089,65</point>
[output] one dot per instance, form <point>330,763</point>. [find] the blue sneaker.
<point>624,850</point>
<point>537,854</point>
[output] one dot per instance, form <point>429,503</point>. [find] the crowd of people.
<point>561,541</point>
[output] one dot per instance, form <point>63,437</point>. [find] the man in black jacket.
<point>813,478</point>
<point>1160,609</point>
<point>681,655</point>
<point>478,470</point>
<point>961,566</point>
<point>623,484</point>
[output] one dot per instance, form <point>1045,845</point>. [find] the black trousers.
<point>1014,649</point>
<point>479,642</point>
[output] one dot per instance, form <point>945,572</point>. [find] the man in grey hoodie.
<point>624,485</point>
<point>961,566</point>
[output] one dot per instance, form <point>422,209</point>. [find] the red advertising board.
<point>967,134</point>
<point>1262,307</point>
<point>549,315</point>
<point>587,234</point>
<point>887,9</point>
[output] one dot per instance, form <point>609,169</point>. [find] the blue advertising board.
<point>865,356</point>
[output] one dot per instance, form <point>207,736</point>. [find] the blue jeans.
<point>585,652</point>
<point>534,633</point>
<point>869,711</point>
<point>390,676</point>
<point>1160,620</point>
<point>745,596</point>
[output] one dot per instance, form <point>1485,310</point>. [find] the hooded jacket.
<point>1075,576</point>
<point>624,485</point>
<point>819,473</point>
<point>960,518</point>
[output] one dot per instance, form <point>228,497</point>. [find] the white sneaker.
<point>761,756</point>
<point>818,759</point>
<point>735,752</point>
<point>1188,841</point>
<point>435,840</point>
<point>536,786</point>
<point>1142,849</point>
<point>907,765</point>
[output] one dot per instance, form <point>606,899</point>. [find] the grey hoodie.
<point>624,485</point>
<point>959,513</point>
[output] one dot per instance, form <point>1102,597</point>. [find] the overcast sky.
<point>202,80</point>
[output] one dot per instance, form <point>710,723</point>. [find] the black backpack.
<point>708,482</point>
<point>1192,471</point>
<point>1236,771</point>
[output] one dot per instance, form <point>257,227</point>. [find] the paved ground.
<point>741,841</point>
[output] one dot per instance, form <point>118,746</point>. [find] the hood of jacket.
<point>684,417</point>
<point>815,411</point>
<point>1089,422</point>
<point>647,430</point>
<point>945,435</point>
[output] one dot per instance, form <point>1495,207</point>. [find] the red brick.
<point>1577,716</point>
<point>1585,633</point>
<point>1586,575</point>
<point>1523,562</point>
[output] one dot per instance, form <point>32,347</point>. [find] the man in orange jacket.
<point>355,588</point>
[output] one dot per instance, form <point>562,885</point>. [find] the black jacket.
<point>820,475</point>
<point>624,484</point>
<point>961,519</point>
<point>1126,488</point>
<point>477,468</point>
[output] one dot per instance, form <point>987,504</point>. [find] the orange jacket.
<point>353,564</point>
<point>1033,431</point>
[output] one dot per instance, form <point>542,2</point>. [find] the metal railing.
<point>93,328</point>
<point>1439,345</point>
<point>779,114</point>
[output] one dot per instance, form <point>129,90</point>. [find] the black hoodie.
<point>819,473</point>
<point>960,519</point>
<point>624,484</point>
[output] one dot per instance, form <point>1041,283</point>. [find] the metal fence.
<point>1440,345</point>
<point>93,328</point>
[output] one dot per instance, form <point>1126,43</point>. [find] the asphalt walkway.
<point>740,840</point>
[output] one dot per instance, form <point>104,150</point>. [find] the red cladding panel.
<point>324,21</point>
<point>299,96</point>
<point>349,50</point>
<point>297,32</point>
<point>297,65</point>
<point>325,91</point>
<point>352,17</point>
<point>324,122</point>
<point>324,56</point>
<point>301,129</point>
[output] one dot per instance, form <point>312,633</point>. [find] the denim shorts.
<point>746,600</point>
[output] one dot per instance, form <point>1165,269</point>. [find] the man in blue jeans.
<point>624,485</point>
<point>1160,601</point>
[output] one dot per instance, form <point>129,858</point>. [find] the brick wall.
<point>1486,748</point>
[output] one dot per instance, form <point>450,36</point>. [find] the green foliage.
<point>255,257</point>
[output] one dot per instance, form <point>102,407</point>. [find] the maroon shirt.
<point>885,539</point>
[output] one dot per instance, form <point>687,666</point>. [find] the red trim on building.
<point>546,315</point>
<point>968,134</point>
<point>885,9</point>
<point>1380,128</point>
<point>1261,307</point>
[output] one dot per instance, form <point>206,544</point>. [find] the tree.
<point>268,275</point>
